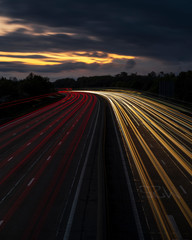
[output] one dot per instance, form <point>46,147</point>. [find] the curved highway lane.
<point>40,165</point>
<point>97,165</point>
<point>158,142</point>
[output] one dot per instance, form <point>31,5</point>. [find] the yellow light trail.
<point>164,225</point>
<point>167,181</point>
<point>165,125</point>
<point>151,125</point>
<point>166,111</point>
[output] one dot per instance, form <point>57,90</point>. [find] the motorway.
<point>97,165</point>
<point>158,142</point>
<point>41,163</point>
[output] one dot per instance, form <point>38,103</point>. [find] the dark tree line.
<point>162,84</point>
<point>32,85</point>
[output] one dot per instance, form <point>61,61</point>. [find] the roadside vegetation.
<point>163,84</point>
<point>166,85</point>
<point>18,97</point>
<point>32,85</point>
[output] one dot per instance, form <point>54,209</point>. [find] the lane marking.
<point>1,222</point>
<point>41,133</point>
<point>24,175</point>
<point>133,117</point>
<point>172,220</point>
<point>60,143</point>
<point>132,198</point>
<point>30,182</point>
<point>73,208</point>
<point>10,159</point>
<point>163,162</point>
<point>182,188</point>
<point>28,143</point>
<point>48,157</point>
<point>20,119</point>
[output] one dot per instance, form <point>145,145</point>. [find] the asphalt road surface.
<point>97,165</point>
<point>158,142</point>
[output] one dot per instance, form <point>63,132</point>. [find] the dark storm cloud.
<point>67,66</point>
<point>13,67</point>
<point>21,41</point>
<point>27,56</point>
<point>93,54</point>
<point>130,64</point>
<point>161,30</point>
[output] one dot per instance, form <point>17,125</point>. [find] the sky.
<point>74,38</point>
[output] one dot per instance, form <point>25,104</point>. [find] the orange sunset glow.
<point>45,58</point>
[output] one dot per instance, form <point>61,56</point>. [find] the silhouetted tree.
<point>35,85</point>
<point>65,83</point>
<point>184,86</point>
<point>8,88</point>
<point>164,84</point>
